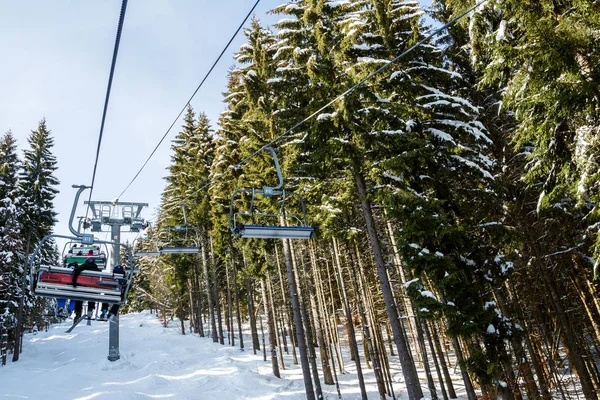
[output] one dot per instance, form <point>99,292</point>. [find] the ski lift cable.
<point>110,79</point>
<point>191,97</point>
<point>341,96</point>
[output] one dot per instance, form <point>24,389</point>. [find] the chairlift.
<point>57,281</point>
<point>103,285</point>
<point>149,253</point>
<point>170,241</point>
<point>179,245</point>
<point>280,229</point>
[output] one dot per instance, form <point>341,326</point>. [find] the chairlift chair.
<point>102,286</point>
<point>301,229</point>
<point>178,245</point>
<point>149,253</point>
<point>172,244</point>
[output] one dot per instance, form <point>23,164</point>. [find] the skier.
<point>89,265</point>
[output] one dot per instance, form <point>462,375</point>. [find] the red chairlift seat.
<point>101,286</point>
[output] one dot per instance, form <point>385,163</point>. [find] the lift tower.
<point>116,214</point>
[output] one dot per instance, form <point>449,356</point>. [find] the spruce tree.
<point>37,189</point>
<point>11,245</point>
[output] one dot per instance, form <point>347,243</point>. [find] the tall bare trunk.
<point>251,312</point>
<point>443,364</point>
<point>317,314</point>
<point>19,324</point>
<point>209,291</point>
<point>423,349</point>
<point>230,335</point>
<point>300,339</point>
<point>366,326</point>
<point>271,329</point>
<point>409,370</point>
<point>236,295</point>
<point>349,322</point>
<point>286,317</point>
<point>274,314</point>
<point>217,297</point>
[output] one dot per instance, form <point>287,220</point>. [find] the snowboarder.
<point>89,265</point>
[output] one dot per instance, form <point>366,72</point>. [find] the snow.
<point>156,362</point>
<point>501,33</point>
<point>427,293</point>
<point>489,304</point>
<point>407,284</point>
<point>453,74</point>
<point>440,135</point>
<point>291,7</point>
<point>364,46</point>
<point>325,116</point>
<point>395,74</point>
<point>335,4</point>
<point>491,329</point>
<point>370,60</point>
<point>471,164</point>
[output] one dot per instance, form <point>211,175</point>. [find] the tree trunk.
<point>251,315</point>
<point>230,334</point>
<point>409,371</point>
<point>570,341</point>
<point>361,301</point>
<point>349,322</point>
<point>286,317</point>
<point>461,362</point>
<point>216,292</point>
<point>270,315</point>
<point>209,296</point>
<point>315,301</point>
<point>198,300</point>
<point>406,301</point>
<point>520,355</point>
<point>300,340</point>
<point>442,359</point>
<point>236,296</point>
<point>426,366</point>
<point>19,325</point>
<point>334,326</point>
<point>275,326</point>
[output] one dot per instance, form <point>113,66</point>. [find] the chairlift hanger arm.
<point>267,189</point>
<point>80,188</point>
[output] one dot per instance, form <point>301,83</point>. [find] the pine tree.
<point>11,246</point>
<point>36,193</point>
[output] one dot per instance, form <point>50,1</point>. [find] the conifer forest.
<point>454,196</point>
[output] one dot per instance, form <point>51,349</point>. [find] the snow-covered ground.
<point>156,363</point>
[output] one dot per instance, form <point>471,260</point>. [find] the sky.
<point>55,64</point>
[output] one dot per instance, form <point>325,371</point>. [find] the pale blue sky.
<point>55,59</point>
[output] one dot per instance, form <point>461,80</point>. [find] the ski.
<point>75,324</point>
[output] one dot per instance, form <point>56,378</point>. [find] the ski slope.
<point>156,363</point>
